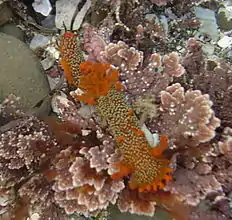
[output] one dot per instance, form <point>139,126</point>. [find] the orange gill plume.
<point>70,56</point>
<point>147,167</point>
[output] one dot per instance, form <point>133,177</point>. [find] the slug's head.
<point>69,34</point>
<point>66,37</point>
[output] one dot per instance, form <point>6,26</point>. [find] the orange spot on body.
<point>169,170</point>
<point>130,112</point>
<point>120,139</point>
<point>168,178</point>
<point>137,132</point>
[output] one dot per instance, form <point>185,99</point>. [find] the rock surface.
<point>13,30</point>
<point>20,72</point>
<point>5,13</point>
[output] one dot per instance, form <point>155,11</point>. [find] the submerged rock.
<point>5,13</point>
<point>13,30</point>
<point>20,72</point>
<point>224,18</point>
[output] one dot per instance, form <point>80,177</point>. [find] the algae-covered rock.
<point>20,72</point>
<point>13,30</point>
<point>5,13</point>
<point>224,18</point>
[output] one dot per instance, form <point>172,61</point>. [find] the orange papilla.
<point>123,171</point>
<point>161,147</point>
<point>96,80</point>
<point>118,86</point>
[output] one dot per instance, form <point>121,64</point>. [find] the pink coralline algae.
<point>38,190</point>
<point>26,148</point>
<point>225,145</point>
<point>172,65</point>
<point>142,76</point>
<point>63,166</point>
<point>193,187</point>
<point>136,203</point>
<point>187,117</point>
<point>81,184</point>
<point>121,55</point>
<point>213,77</point>
<point>28,142</point>
<point>93,43</point>
<point>205,180</point>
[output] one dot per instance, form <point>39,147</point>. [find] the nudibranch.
<point>147,167</point>
<point>71,57</point>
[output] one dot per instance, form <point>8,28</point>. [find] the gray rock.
<point>49,21</point>
<point>224,18</point>
<point>5,13</point>
<point>13,30</point>
<point>38,41</point>
<point>20,72</point>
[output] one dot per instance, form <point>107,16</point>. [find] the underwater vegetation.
<point>142,122</point>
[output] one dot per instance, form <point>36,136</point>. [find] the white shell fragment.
<point>225,42</point>
<point>42,6</point>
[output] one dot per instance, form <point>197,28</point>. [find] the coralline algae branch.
<point>81,185</point>
<point>148,168</point>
